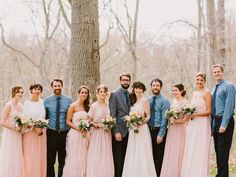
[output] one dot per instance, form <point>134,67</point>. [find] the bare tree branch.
<point>56,26</point>
<point>14,49</point>
<point>107,37</point>
<point>64,14</point>
<point>186,22</point>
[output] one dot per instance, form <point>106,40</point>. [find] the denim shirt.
<point>162,104</point>
<point>50,107</point>
<point>225,101</point>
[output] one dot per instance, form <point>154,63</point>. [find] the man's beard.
<point>125,86</point>
<point>155,92</point>
<point>57,92</point>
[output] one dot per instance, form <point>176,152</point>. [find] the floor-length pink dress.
<point>76,149</point>
<point>175,142</point>
<point>34,146</point>
<point>100,158</point>
<point>11,156</point>
<point>197,146</point>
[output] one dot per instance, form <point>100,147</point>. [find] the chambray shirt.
<point>161,106</point>
<point>50,104</point>
<point>225,101</point>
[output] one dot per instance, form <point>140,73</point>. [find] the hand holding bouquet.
<point>40,124</point>
<point>84,126</point>
<point>23,122</point>
<point>108,122</point>
<point>134,120</point>
<point>190,110</point>
<point>172,114</point>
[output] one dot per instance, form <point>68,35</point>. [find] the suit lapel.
<point>123,99</point>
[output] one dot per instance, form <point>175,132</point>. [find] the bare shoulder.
<point>145,100</point>
<point>207,93</point>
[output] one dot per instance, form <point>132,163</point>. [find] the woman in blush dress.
<point>34,142</point>
<point>139,159</point>
<point>197,145</point>
<point>100,159</point>
<point>175,141</point>
<point>77,144</point>
<point>11,156</point>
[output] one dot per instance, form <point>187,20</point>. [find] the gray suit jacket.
<point>118,109</point>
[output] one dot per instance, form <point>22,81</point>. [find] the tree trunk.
<point>221,30</point>
<point>199,35</point>
<point>85,46</point>
<point>212,41</point>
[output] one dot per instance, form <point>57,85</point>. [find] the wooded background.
<point>66,43</point>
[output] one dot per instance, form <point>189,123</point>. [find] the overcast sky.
<point>15,15</point>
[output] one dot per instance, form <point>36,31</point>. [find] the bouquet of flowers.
<point>40,123</point>
<point>172,113</point>
<point>108,122</point>
<point>84,125</point>
<point>23,122</point>
<point>133,120</point>
<point>189,109</point>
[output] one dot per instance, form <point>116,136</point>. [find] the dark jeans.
<point>56,143</point>
<point>119,150</point>
<point>223,143</point>
<point>157,149</point>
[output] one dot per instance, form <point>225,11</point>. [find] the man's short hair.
<point>125,74</point>
<point>56,80</point>
<point>157,80</point>
<point>218,65</point>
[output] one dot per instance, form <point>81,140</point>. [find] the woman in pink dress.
<point>76,143</point>
<point>34,142</point>
<point>100,159</point>
<point>197,145</point>
<point>11,156</point>
<point>175,141</point>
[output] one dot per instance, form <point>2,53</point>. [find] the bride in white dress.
<point>139,159</point>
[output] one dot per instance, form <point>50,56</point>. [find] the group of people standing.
<point>180,148</point>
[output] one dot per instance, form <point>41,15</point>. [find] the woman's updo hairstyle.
<point>181,88</point>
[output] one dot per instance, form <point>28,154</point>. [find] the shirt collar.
<point>220,82</point>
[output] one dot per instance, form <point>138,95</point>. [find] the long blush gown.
<point>197,146</point>
<point>100,158</point>
<point>11,156</point>
<point>76,149</point>
<point>175,142</point>
<point>139,158</point>
<point>34,146</point>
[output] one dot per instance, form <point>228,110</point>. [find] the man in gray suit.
<point>119,104</point>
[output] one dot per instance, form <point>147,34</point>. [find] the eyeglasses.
<point>125,80</point>
<point>20,92</point>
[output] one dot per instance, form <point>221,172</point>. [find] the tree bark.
<point>221,30</point>
<point>85,56</point>
<point>212,40</point>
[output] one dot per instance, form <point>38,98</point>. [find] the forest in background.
<point>48,52</point>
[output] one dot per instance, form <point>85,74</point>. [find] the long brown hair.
<point>87,101</point>
<point>137,84</point>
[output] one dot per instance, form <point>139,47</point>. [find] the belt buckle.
<point>59,131</point>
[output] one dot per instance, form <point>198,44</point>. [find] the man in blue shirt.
<point>56,107</point>
<point>159,104</point>
<point>223,104</point>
